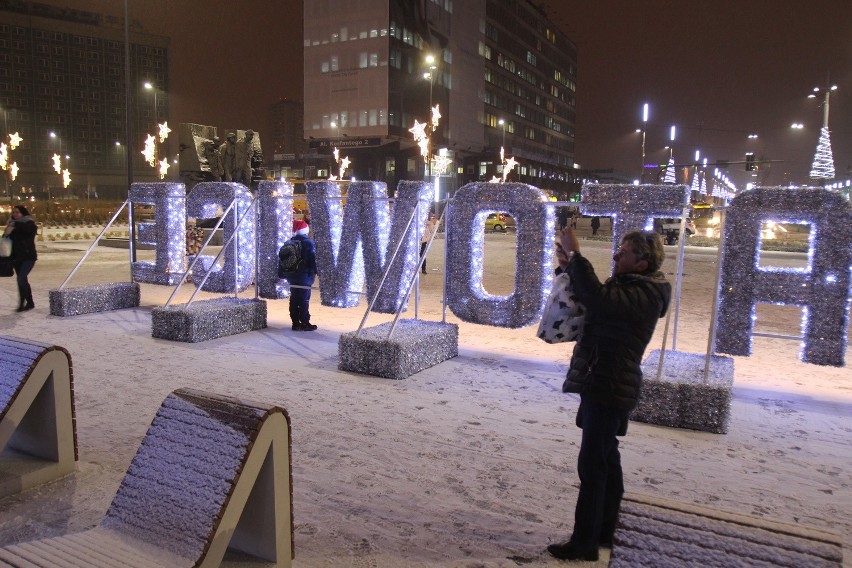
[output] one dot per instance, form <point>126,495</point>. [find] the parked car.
<point>670,229</point>
<point>499,222</point>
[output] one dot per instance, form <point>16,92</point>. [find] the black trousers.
<point>422,252</point>
<point>299,300</point>
<point>22,270</point>
<point>601,481</point>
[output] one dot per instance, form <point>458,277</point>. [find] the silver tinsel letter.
<point>274,228</point>
<point>353,248</point>
<point>205,200</point>
<point>466,296</point>
<point>167,232</point>
<point>822,289</point>
<point>633,206</point>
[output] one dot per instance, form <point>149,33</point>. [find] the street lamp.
<point>644,125</point>
<point>797,126</point>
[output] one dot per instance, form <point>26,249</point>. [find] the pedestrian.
<point>575,216</point>
<point>428,231</point>
<point>596,224</point>
<point>303,278</point>
<point>21,229</point>
<point>621,314</point>
<point>564,214</point>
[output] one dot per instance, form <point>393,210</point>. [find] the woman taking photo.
<point>22,230</point>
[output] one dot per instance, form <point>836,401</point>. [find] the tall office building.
<point>500,73</point>
<point>62,71</point>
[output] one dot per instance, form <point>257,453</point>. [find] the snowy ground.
<point>470,463</point>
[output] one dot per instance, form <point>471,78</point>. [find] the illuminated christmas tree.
<point>670,172</point>
<point>823,166</point>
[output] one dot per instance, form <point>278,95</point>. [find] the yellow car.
<point>499,222</point>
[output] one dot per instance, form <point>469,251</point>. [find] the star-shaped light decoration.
<point>150,151</point>
<point>495,179</point>
<point>332,178</point>
<point>419,131</point>
<point>57,164</point>
<point>336,154</point>
<point>436,117</point>
<point>13,170</point>
<point>4,156</point>
<point>66,178</point>
<point>164,131</point>
<point>164,167</point>
<point>424,147</point>
<point>344,163</point>
<point>442,163</point>
<point>15,140</point>
<point>508,166</point>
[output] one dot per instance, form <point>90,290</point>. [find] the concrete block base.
<point>415,345</point>
<point>208,319</point>
<point>681,398</point>
<point>93,299</point>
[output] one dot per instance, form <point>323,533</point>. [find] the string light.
<point>13,171</point>
<point>4,156</point>
<point>66,178</point>
<point>57,163</point>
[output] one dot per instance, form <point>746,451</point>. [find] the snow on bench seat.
<point>212,473</point>
<point>38,435</point>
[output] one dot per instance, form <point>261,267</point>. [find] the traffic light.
<point>749,164</point>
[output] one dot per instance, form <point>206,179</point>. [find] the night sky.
<point>718,69</point>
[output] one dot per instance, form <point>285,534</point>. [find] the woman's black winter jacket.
<point>621,315</point>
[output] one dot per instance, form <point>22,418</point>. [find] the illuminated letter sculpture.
<point>822,289</point>
<point>346,264</point>
<point>167,232</point>
<point>466,296</point>
<point>274,228</point>
<point>204,201</point>
<point>633,206</point>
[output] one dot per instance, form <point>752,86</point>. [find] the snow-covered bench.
<point>212,473</point>
<point>38,441</point>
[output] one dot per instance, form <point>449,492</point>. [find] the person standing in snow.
<point>621,315</point>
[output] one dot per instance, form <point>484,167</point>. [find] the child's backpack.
<point>290,259</point>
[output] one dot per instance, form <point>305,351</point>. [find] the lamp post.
<point>644,127</point>
<point>150,87</point>
<point>502,123</point>
<point>430,62</point>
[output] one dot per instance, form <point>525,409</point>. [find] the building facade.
<point>62,71</point>
<point>500,73</point>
